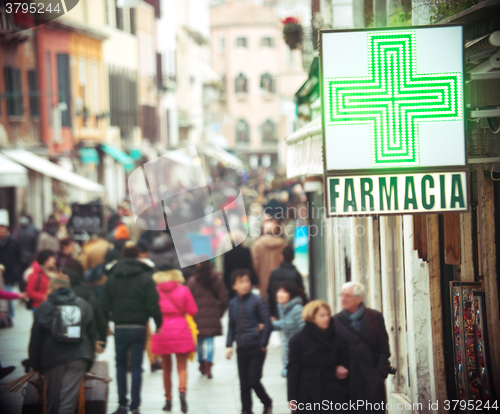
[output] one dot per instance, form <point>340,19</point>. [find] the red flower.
<point>290,20</point>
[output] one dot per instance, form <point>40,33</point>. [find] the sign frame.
<point>388,170</point>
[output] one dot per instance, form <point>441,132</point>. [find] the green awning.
<point>309,91</point>
<point>89,156</point>
<point>126,160</point>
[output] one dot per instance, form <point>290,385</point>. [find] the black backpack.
<point>67,325</point>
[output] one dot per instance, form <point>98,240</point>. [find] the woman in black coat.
<point>317,377</point>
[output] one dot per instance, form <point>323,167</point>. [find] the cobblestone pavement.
<point>219,395</point>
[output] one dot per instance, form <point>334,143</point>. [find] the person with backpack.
<point>210,295</point>
<point>175,335</point>
<point>61,347</point>
<point>129,298</point>
<point>290,316</point>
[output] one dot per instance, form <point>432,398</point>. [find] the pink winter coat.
<point>175,336</point>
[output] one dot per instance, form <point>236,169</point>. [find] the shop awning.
<point>227,159</point>
<point>305,150</point>
<point>309,91</point>
<point>12,174</point>
<point>45,167</point>
<point>126,160</point>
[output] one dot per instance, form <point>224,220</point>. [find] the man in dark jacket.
<point>129,298</point>
<point>364,330</point>
<point>246,312</point>
<point>27,235</point>
<point>238,258</point>
<point>10,257</point>
<point>63,364</point>
<point>287,272</point>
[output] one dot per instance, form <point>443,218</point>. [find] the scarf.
<point>355,318</point>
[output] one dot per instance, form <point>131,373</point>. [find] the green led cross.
<point>393,98</point>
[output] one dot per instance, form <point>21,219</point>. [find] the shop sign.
<point>363,195</point>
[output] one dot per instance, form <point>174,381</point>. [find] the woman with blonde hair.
<point>175,335</point>
<point>316,363</point>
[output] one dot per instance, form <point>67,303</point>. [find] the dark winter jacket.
<point>366,372</point>
<point>237,258</point>
<point>212,302</point>
<point>69,262</point>
<point>129,295</point>
<point>83,291</point>
<point>45,352</point>
<point>311,372</point>
<point>27,237</point>
<point>245,315</point>
<point>163,251</point>
<point>10,257</point>
<point>287,272</point>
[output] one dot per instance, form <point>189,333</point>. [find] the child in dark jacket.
<point>246,312</point>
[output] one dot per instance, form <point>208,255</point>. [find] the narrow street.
<point>217,396</point>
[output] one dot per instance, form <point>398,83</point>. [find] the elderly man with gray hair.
<point>364,329</point>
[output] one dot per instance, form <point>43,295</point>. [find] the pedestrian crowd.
<point>75,292</point>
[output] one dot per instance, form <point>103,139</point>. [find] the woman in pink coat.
<point>175,336</point>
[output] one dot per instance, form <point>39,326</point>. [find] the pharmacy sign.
<point>393,100</point>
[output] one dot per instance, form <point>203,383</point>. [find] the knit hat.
<point>122,232</point>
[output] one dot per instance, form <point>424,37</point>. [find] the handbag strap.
<point>173,303</point>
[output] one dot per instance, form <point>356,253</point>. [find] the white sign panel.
<point>364,195</point>
<point>393,98</point>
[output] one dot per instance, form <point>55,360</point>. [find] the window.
<point>64,86</point>
<point>123,100</point>
<point>267,83</point>
<point>222,44</point>
<point>241,84</point>
<point>267,42</point>
<point>241,42</point>
<point>12,78</point>
<point>222,90</point>
<point>119,17</point>
<point>132,21</point>
<point>242,132</point>
<point>269,132</point>
<point>34,99</point>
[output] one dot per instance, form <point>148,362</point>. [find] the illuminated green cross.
<point>393,98</point>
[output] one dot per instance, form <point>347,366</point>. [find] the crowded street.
<point>249,206</point>
<point>218,395</point>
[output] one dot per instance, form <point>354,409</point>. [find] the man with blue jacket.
<point>246,312</point>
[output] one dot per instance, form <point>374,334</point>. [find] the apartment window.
<point>222,90</point>
<point>241,84</point>
<point>222,44</point>
<point>64,86</point>
<point>241,42</point>
<point>119,17</point>
<point>267,83</point>
<point>12,77</point>
<point>267,42</point>
<point>34,99</point>
<point>269,132</point>
<point>123,100</point>
<point>132,21</point>
<point>242,132</point>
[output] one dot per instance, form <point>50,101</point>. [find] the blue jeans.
<point>133,339</point>
<point>209,341</point>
